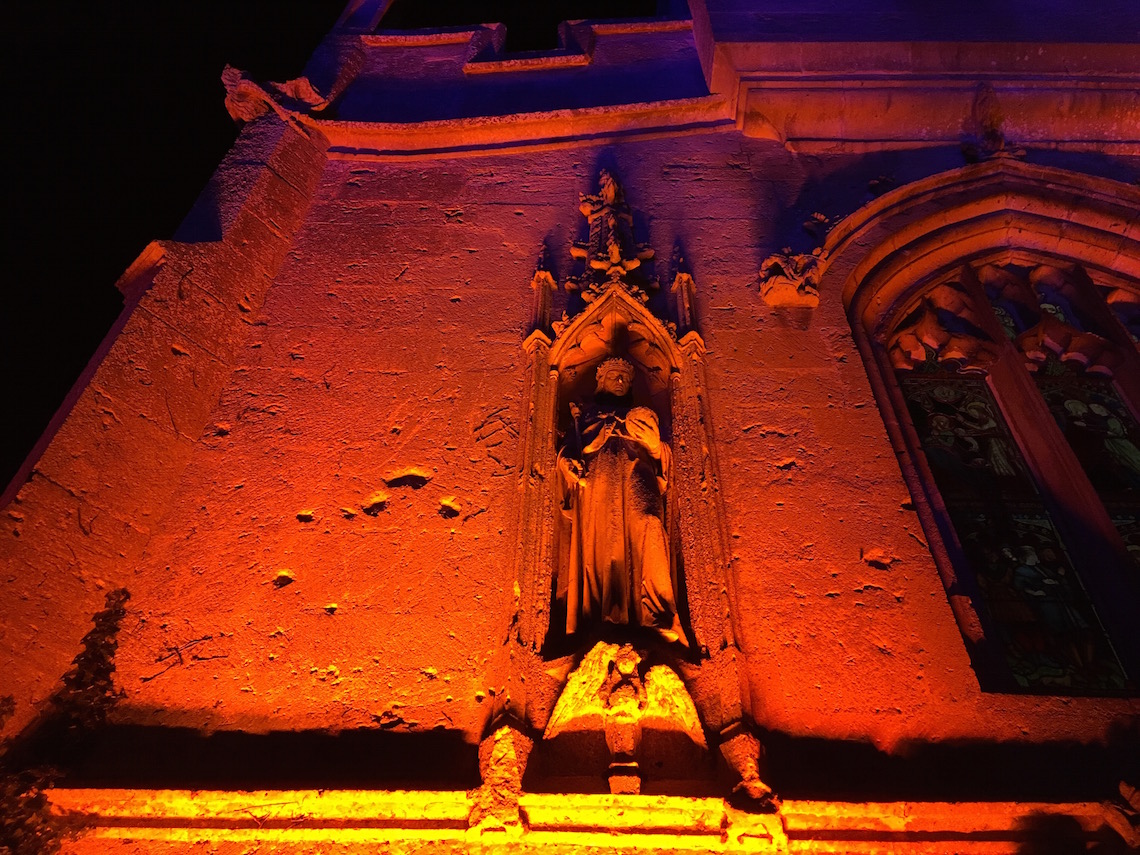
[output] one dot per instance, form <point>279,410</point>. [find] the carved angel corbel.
<point>788,279</point>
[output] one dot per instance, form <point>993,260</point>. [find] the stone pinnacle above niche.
<point>613,262</point>
<point>610,253</point>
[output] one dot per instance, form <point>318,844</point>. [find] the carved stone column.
<point>536,465</point>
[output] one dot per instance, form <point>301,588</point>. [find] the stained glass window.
<point>1104,437</point>
<point>1030,594</point>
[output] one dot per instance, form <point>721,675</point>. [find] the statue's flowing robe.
<point>619,567</point>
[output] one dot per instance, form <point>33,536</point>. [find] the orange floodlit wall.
<point>337,553</point>
<point>303,453</point>
<point>364,445</point>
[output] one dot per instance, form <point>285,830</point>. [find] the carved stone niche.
<point>662,360</point>
<point>610,553</point>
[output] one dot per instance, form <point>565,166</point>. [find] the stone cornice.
<point>855,96</point>
<point>381,140</point>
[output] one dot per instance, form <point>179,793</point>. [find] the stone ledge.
<point>298,819</point>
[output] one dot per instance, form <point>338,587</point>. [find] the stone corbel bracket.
<point>790,279</point>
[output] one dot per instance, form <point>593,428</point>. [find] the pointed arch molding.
<point>1003,210</point>
<point>925,241</point>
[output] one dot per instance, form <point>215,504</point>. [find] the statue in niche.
<point>619,568</point>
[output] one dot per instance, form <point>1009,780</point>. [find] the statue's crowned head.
<point>615,376</point>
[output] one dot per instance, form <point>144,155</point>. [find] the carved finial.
<point>543,285</point>
<point>684,291</point>
<point>788,279</point>
<point>610,252</point>
<point>543,260</point>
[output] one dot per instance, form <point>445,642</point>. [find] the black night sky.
<point>118,122</point>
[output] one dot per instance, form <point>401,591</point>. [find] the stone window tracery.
<point>1016,384</point>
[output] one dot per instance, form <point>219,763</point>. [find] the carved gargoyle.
<point>788,279</point>
<point>246,99</point>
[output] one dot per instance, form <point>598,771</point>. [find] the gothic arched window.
<point>1000,337</point>
<point>1033,532</point>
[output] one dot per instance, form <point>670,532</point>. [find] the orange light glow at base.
<point>304,821</point>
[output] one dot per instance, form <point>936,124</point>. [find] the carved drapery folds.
<point>615,320</point>
<point>612,310</point>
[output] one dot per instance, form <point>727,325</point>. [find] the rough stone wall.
<point>78,526</point>
<point>338,553</point>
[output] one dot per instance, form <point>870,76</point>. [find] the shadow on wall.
<point>73,738</point>
<point>75,745</point>
<point>1047,834</point>
<point>810,768</point>
<point>180,758</point>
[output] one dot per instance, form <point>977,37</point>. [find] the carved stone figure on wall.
<point>619,566</point>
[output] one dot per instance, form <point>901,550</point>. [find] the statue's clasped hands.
<point>641,425</point>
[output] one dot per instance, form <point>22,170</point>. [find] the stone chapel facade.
<point>719,433</point>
